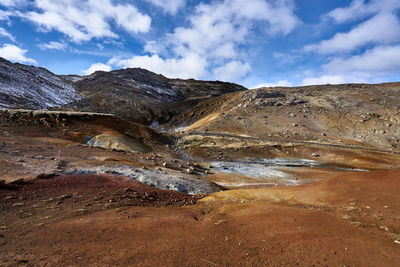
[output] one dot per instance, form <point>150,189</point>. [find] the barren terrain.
<point>303,176</point>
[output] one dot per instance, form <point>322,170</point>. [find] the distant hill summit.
<point>135,94</point>
<point>140,95</point>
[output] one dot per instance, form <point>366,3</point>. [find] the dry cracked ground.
<point>303,176</point>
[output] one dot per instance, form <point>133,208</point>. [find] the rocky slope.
<point>210,116</point>
<point>143,96</point>
<point>134,94</point>
<point>23,86</point>
<point>340,115</point>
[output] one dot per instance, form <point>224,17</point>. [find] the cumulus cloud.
<point>14,53</point>
<point>226,24</point>
<point>53,45</point>
<point>359,9</point>
<point>5,15</point>
<point>382,26</point>
<point>334,79</point>
<point>370,49</point>
<point>6,34</point>
<point>232,71</point>
<point>190,66</point>
<point>325,79</point>
<point>356,10</point>
<point>96,67</point>
<point>381,60</point>
<point>87,19</point>
<point>282,83</point>
<point>169,6</point>
<point>13,3</point>
<point>372,31</point>
<point>214,38</point>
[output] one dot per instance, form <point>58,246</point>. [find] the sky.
<point>251,42</point>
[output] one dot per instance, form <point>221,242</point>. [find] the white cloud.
<point>97,67</point>
<point>232,71</point>
<point>214,38</point>
<point>169,6</point>
<point>334,79</point>
<point>6,34</point>
<point>369,51</point>
<point>359,9</point>
<point>14,53</point>
<point>5,15</point>
<point>325,79</point>
<point>381,60</point>
<point>282,83</point>
<point>191,66</point>
<point>53,46</point>
<point>13,3</point>
<point>218,25</point>
<point>87,19</point>
<point>154,47</point>
<point>383,28</point>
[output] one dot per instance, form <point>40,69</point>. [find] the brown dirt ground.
<point>346,220</point>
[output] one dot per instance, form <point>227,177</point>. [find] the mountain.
<point>134,94</point>
<point>23,86</point>
<point>359,115</point>
<point>143,96</point>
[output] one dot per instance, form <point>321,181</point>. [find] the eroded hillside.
<point>332,116</point>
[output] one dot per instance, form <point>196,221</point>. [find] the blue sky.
<point>251,42</point>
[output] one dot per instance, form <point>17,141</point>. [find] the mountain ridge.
<point>134,93</point>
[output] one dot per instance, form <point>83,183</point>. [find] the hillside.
<point>358,115</point>
<point>23,86</point>
<point>134,94</point>
<point>143,96</point>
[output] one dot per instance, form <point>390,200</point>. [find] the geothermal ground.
<point>265,177</point>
